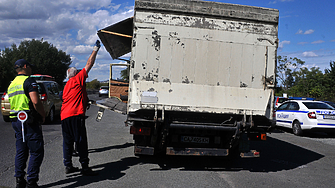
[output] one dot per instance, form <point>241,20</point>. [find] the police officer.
<point>23,96</point>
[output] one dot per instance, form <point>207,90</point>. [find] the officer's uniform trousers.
<point>33,143</point>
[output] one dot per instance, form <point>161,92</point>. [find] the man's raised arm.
<point>91,59</point>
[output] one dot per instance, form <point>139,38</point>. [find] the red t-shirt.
<point>75,96</point>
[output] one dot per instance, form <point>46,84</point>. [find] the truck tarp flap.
<point>117,38</point>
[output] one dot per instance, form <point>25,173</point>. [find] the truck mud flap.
<point>196,151</point>
<point>141,150</point>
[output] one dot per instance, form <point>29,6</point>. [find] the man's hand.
<point>89,102</point>
<point>96,46</point>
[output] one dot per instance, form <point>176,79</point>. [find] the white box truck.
<point>202,75</point>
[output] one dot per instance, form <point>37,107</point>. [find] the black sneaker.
<point>32,184</point>
<point>88,172</point>
<point>71,169</point>
<point>20,182</point>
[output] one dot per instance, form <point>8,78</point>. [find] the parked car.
<point>43,77</point>
<point>49,91</point>
<point>302,115</point>
<point>103,90</point>
<point>279,101</point>
<point>5,107</point>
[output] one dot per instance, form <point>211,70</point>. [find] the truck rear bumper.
<point>196,151</point>
<point>142,150</point>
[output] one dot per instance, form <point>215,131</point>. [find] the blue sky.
<point>306,27</point>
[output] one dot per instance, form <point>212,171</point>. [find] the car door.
<point>291,113</point>
<point>281,117</point>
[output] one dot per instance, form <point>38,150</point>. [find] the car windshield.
<point>281,100</point>
<point>317,105</point>
<point>40,88</point>
<point>104,87</point>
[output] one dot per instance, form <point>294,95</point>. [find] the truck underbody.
<point>189,133</point>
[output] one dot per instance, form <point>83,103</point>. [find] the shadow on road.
<point>310,134</point>
<point>276,155</point>
<point>126,145</point>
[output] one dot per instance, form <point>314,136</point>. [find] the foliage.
<point>298,81</point>
<point>47,59</point>
<point>286,68</point>
<point>94,84</point>
<point>125,75</point>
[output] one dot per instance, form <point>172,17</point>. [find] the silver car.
<point>103,90</point>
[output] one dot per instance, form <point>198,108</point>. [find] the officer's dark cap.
<point>21,63</point>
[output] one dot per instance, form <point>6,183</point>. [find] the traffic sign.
<point>22,116</point>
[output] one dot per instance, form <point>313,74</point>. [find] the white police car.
<point>300,115</point>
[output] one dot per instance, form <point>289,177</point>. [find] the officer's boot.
<point>20,182</point>
<point>32,184</point>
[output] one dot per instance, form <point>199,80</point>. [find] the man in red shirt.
<point>73,116</point>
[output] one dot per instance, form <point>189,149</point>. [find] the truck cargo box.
<point>192,59</point>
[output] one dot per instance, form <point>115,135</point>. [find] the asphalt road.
<point>286,161</point>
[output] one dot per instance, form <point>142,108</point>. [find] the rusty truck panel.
<point>218,60</point>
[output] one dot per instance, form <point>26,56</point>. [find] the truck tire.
<point>296,128</point>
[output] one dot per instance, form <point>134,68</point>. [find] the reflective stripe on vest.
<point>17,98</point>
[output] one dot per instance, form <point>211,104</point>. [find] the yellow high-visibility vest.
<point>17,98</point>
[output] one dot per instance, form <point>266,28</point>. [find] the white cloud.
<point>81,49</point>
<point>274,2</point>
<point>100,66</point>
<point>299,32</point>
<point>282,43</point>
<point>318,42</point>
<point>302,43</point>
<point>309,32</point>
<point>309,54</point>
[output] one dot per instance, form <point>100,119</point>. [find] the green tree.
<point>125,75</point>
<point>94,84</point>
<point>286,68</point>
<point>329,82</point>
<point>7,72</point>
<point>308,83</point>
<point>47,59</point>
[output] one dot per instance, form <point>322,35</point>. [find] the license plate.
<point>192,139</point>
<point>328,117</point>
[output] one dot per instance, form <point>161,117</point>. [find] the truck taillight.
<point>312,115</point>
<point>3,96</point>
<point>140,130</point>
<point>44,97</point>
<point>257,136</point>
